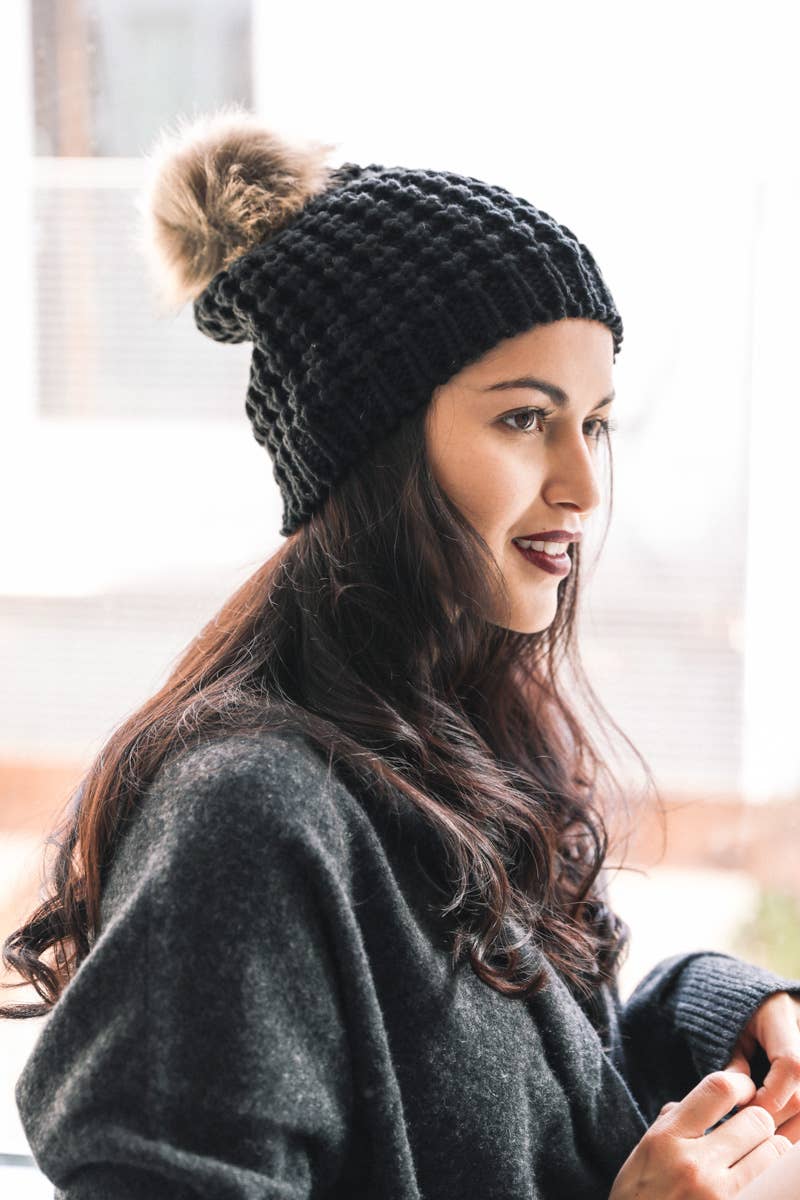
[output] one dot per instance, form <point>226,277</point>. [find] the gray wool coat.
<point>269,1013</point>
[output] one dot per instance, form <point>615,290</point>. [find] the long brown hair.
<point>366,632</point>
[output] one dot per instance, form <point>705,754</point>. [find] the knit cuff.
<point>714,997</point>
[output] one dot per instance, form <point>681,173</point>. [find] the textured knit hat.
<point>362,288</point>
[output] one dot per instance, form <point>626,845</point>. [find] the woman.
<point>328,916</point>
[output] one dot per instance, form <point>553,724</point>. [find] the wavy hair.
<point>366,631</point>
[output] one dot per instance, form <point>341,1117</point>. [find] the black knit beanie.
<point>361,288</point>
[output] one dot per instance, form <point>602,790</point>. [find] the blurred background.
<point>136,498</point>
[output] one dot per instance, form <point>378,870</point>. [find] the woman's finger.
<point>768,1173</point>
<point>781,1085</point>
<point>739,1062</point>
<point>708,1102</point>
<point>783,1116</point>
<point>746,1130</point>
<point>790,1129</point>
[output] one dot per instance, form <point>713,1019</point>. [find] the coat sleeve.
<point>201,1049</point>
<point>683,1019</point>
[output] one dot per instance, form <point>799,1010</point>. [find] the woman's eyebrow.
<point>556,394</point>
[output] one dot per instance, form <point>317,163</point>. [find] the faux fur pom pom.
<point>218,185</point>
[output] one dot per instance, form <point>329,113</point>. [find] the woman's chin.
<point>526,622</point>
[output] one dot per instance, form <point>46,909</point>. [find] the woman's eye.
<point>526,416</point>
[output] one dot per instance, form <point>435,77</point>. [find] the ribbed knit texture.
<point>269,1011</point>
<point>382,288</point>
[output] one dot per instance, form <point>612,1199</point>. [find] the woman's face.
<point>518,473</point>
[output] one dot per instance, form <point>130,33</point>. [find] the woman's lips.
<point>559,564</point>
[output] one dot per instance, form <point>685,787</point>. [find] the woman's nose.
<point>572,473</point>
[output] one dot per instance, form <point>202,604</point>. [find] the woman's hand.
<point>775,1026</point>
<point>678,1160</point>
